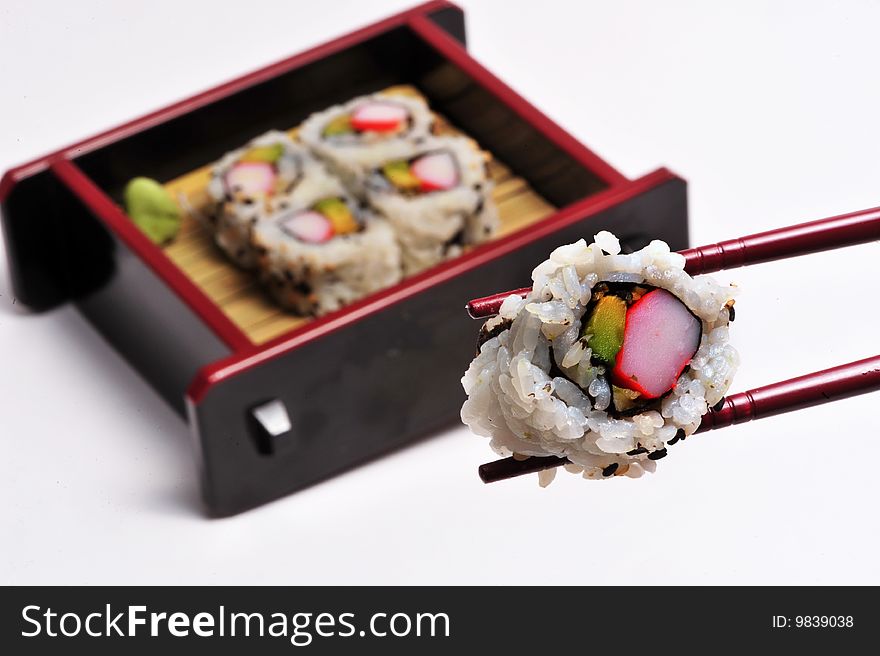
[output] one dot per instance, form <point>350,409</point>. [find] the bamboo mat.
<point>238,293</point>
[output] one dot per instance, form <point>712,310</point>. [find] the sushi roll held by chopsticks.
<point>607,360</point>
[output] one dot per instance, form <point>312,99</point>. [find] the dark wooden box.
<point>377,375</point>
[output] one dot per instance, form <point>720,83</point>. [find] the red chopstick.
<point>801,239</point>
<point>833,384</point>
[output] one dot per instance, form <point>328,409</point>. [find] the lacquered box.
<point>274,407</point>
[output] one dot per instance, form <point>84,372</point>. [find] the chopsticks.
<point>859,377</point>
<point>782,243</point>
<point>824,386</point>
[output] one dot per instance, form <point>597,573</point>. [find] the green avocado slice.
<point>399,174</point>
<point>152,209</point>
<point>339,214</point>
<point>339,125</point>
<point>269,154</point>
<point>606,325</point>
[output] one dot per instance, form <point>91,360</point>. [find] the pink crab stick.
<point>660,338</point>
<point>436,172</point>
<point>310,227</point>
<point>378,117</point>
<point>251,178</point>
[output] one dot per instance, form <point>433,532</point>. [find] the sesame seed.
<point>656,455</point>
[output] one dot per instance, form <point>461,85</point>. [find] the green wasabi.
<point>152,209</point>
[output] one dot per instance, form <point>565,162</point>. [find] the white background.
<point>770,110</point>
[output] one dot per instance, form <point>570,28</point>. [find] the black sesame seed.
<point>456,240</point>
<point>610,469</point>
<point>486,334</point>
<point>731,313</point>
<point>679,435</point>
<point>604,252</point>
<point>718,405</point>
<point>656,455</point>
<point>636,452</point>
<point>248,201</point>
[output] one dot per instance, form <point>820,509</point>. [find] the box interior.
<point>238,293</point>
<point>534,169</point>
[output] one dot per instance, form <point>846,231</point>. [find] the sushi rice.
<point>436,225</point>
<point>238,208</point>
<point>265,196</point>
<point>351,156</point>
<point>313,276</point>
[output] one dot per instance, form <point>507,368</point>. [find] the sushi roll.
<point>352,138</point>
<point>438,198</point>
<point>607,361</point>
<point>246,186</point>
<point>322,250</point>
